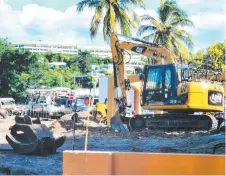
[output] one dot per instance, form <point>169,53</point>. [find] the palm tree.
<point>112,13</point>
<point>168,29</point>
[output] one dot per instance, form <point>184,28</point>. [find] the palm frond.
<point>174,43</point>
<point>183,36</point>
<point>146,28</point>
<point>87,3</point>
<point>124,21</point>
<point>95,23</point>
<point>156,38</point>
<point>168,44</point>
<point>180,21</point>
<point>113,19</point>
<point>124,26</point>
<point>116,12</point>
<point>165,9</point>
<point>147,18</point>
<point>127,18</point>
<point>124,3</point>
<point>152,21</point>
<point>165,31</point>
<point>134,16</point>
<point>170,10</point>
<point>107,25</point>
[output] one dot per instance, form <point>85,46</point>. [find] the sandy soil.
<point>101,139</point>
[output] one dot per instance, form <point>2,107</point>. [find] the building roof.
<point>43,43</point>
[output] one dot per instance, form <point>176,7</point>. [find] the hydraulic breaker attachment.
<point>116,123</point>
<point>27,137</point>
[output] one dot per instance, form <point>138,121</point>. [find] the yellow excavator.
<point>184,94</point>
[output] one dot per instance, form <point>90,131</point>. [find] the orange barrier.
<point>107,163</point>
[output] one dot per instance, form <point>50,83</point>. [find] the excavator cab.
<point>160,84</point>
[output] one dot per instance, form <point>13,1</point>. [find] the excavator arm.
<point>155,51</point>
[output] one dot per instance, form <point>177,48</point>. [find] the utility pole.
<point>74,78</point>
<point>61,79</point>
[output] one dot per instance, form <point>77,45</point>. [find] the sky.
<point>58,21</point>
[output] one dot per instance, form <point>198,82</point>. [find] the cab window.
<point>154,79</point>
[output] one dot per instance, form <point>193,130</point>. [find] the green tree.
<point>167,31</point>
<point>217,53</point>
<point>111,13</point>
<point>4,45</point>
<point>84,61</point>
<point>107,60</point>
<point>58,57</point>
<point>15,67</point>
<point>49,78</point>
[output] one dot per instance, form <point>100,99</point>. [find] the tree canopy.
<point>112,13</point>
<point>168,29</point>
<point>20,70</point>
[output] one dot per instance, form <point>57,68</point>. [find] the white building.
<point>132,59</point>
<point>42,47</point>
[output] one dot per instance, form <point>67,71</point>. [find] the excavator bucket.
<point>116,123</point>
<point>27,137</point>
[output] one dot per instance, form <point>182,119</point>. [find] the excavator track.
<point>171,122</point>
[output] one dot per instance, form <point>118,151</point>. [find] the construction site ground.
<point>101,139</point>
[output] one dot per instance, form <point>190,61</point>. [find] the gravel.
<point>102,139</point>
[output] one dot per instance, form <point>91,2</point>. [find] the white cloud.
<point>36,22</point>
<point>199,48</point>
<point>209,20</point>
<point>211,5</point>
<point>206,21</point>
<point>9,24</point>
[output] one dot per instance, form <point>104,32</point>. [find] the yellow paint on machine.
<point>197,97</point>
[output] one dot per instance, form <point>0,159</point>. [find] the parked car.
<point>8,104</point>
<point>79,105</point>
